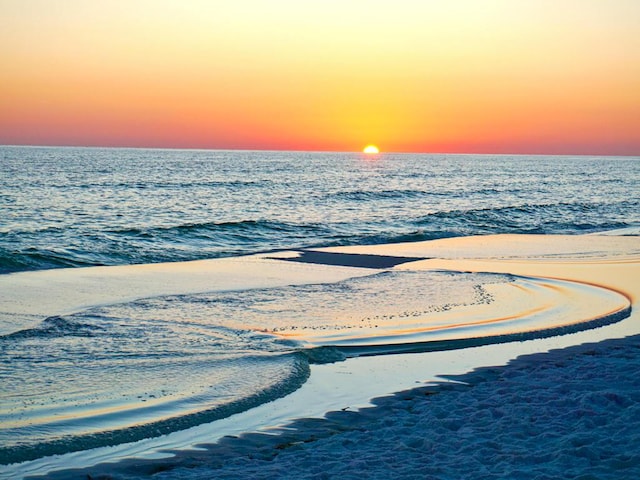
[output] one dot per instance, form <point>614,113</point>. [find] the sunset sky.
<point>494,76</point>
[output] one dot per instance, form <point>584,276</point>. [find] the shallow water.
<point>129,371</point>
<point>121,373</point>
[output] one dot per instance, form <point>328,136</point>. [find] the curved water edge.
<point>11,452</point>
<point>370,315</point>
<point>561,308</point>
<point>350,351</point>
<point>522,309</point>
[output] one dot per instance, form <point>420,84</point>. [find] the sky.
<point>467,76</point>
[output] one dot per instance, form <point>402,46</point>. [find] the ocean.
<point>117,373</point>
<point>73,207</point>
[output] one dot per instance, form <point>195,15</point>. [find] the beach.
<point>543,415</point>
<point>331,240</point>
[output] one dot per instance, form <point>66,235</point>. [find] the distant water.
<point>120,373</point>
<point>68,207</point>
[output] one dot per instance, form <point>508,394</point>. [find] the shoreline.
<point>566,257</point>
<point>458,413</point>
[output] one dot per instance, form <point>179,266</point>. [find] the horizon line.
<point>382,152</point>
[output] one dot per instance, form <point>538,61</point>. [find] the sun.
<point>371,149</point>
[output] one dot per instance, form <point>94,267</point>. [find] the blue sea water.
<point>120,373</point>
<point>73,207</point>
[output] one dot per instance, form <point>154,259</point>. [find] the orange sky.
<point>501,76</point>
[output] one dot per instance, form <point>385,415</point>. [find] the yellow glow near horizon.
<point>498,76</point>
<point>371,149</point>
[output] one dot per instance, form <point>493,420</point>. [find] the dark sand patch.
<point>351,259</point>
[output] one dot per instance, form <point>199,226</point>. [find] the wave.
<point>52,327</point>
<point>54,246</point>
<point>413,194</point>
<point>548,218</point>
<point>385,237</point>
<point>40,259</point>
<point>369,195</point>
<point>255,227</point>
<point>155,244</point>
<point>152,185</point>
